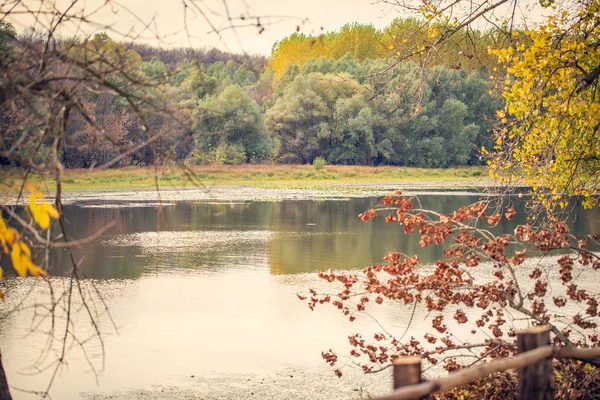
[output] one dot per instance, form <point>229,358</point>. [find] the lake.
<point>199,299</point>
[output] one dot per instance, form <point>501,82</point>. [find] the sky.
<point>208,23</point>
<point>193,22</point>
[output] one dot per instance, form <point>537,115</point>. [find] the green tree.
<point>199,83</point>
<point>458,137</point>
<point>296,119</point>
<point>155,69</point>
<point>230,127</point>
<point>352,133</point>
<point>7,37</point>
<point>301,119</point>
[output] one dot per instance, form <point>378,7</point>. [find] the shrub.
<point>319,163</point>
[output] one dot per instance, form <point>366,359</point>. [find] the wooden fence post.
<point>407,371</point>
<point>535,381</point>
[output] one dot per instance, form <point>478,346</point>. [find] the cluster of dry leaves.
<point>483,282</point>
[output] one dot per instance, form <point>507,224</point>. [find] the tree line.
<point>339,100</point>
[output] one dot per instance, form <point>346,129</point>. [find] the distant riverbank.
<point>280,180</point>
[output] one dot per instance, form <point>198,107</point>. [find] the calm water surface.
<point>203,289</point>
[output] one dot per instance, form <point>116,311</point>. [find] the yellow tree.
<point>295,49</point>
<point>548,138</point>
<point>360,41</point>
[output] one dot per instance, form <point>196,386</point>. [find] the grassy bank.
<point>267,176</point>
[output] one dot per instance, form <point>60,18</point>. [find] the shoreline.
<point>230,193</point>
<point>348,181</point>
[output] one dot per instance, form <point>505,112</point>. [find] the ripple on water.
<point>176,241</point>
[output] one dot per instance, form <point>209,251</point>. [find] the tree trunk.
<point>4,391</point>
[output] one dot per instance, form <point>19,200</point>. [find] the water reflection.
<point>294,236</point>
<point>209,289</point>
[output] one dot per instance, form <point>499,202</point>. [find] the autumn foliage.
<point>14,244</point>
<point>485,288</point>
<point>547,136</point>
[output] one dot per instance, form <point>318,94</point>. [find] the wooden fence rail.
<point>534,363</point>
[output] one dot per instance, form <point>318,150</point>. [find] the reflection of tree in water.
<point>303,236</point>
<point>99,262</point>
<point>105,259</point>
<point>339,240</point>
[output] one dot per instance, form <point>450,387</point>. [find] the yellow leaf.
<point>51,210</point>
<point>32,202</point>
<point>35,192</point>
<point>42,218</point>
<point>7,235</point>
<point>24,248</point>
<point>41,212</point>
<point>21,259</point>
<point>36,271</point>
<point>18,260</point>
<point>13,235</point>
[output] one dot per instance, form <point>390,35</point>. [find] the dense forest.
<point>337,96</point>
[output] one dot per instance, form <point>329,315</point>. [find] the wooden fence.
<point>533,361</point>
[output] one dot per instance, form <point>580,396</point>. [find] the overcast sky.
<point>280,19</point>
<point>193,22</point>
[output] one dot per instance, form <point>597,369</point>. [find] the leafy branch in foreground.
<point>15,245</point>
<point>548,138</point>
<point>45,93</point>
<point>475,298</point>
